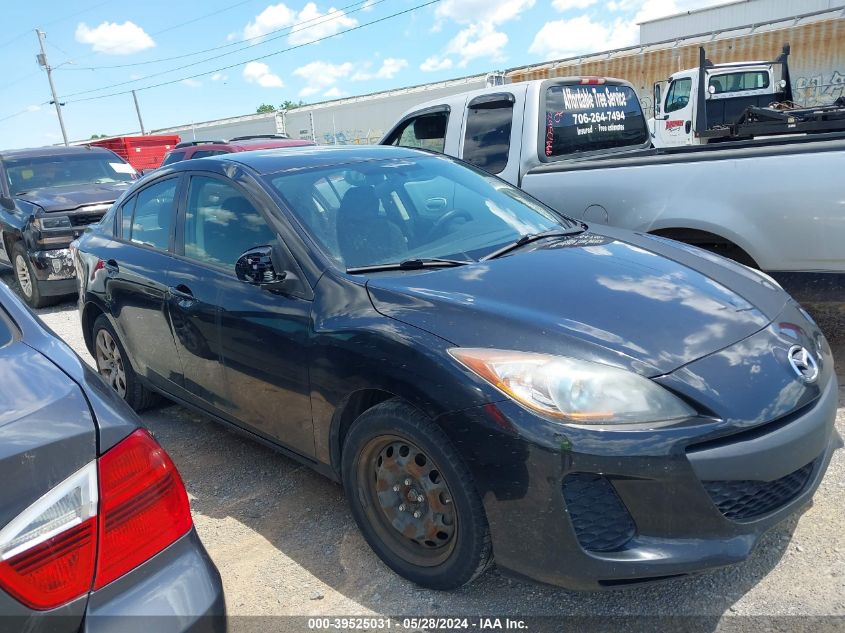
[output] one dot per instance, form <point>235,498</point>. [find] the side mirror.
<point>256,267</point>
<point>7,203</point>
<point>782,83</point>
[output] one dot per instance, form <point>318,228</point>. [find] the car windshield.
<point>379,212</point>
<point>38,172</point>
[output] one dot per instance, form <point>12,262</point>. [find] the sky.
<point>192,61</point>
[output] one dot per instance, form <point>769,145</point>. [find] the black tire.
<point>28,283</point>
<point>465,551</point>
<point>135,394</point>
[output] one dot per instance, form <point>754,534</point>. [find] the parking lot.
<point>285,542</point>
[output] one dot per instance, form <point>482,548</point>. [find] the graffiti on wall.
<point>819,89</point>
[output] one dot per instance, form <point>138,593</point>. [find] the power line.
<point>241,63</point>
<point>365,4</point>
<point>56,21</point>
<point>16,114</point>
<point>159,32</point>
<point>207,59</point>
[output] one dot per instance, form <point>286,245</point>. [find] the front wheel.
<point>414,499</point>
<point>27,281</point>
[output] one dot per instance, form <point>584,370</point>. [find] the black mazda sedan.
<point>486,377</point>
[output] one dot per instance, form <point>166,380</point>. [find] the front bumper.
<point>177,591</point>
<point>54,271</point>
<point>591,508</point>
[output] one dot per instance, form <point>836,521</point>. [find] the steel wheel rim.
<point>408,501</point>
<point>110,362</point>
<point>24,279</point>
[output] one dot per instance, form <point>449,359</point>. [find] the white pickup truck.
<point>581,145</point>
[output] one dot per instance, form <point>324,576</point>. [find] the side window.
<point>678,96</point>
<point>153,214</point>
<point>427,131</point>
<point>202,153</point>
<point>488,133</point>
<point>221,224</point>
<point>173,157</point>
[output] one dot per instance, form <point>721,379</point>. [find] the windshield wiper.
<point>531,237</point>
<point>417,263</point>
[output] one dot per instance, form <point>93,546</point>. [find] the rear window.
<point>488,132</point>
<point>739,82</point>
<point>173,157</point>
<point>591,117</point>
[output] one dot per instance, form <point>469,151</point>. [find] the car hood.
<point>646,304</point>
<point>74,197</point>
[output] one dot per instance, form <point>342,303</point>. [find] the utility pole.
<point>42,61</point>
<point>138,110</point>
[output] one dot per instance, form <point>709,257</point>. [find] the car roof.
<point>271,161</point>
<point>53,150</point>
<point>247,145</point>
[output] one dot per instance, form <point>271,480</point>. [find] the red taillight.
<point>54,571</point>
<point>82,535</point>
<point>143,506</point>
<point>592,81</point>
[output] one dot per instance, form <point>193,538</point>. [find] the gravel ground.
<point>286,544</point>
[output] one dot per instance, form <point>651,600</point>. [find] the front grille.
<point>84,219</point>
<point>600,519</point>
<point>743,500</point>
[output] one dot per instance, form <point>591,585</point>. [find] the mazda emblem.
<point>803,363</point>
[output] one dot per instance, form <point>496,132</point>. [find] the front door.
<point>262,337</point>
<point>674,126</point>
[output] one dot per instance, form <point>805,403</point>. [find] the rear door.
<point>137,282</point>
<point>492,137</point>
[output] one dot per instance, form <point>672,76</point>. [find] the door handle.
<point>181,292</point>
<point>687,126</point>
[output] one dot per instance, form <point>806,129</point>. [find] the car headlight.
<point>577,391</point>
<point>61,222</point>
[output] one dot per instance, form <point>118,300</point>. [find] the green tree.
<point>287,104</point>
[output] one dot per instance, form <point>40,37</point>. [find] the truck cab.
<point>728,90</point>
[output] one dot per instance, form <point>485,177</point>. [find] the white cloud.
<point>333,92</point>
<point>219,77</point>
<point>435,63</point>
<point>478,40</point>
<point>321,76</point>
<point>112,38</point>
<point>274,17</point>
<point>568,5</point>
<point>311,23</point>
<point>480,37</point>
<point>33,108</point>
<point>191,83</point>
<point>368,5</point>
<point>568,38</point>
<point>259,73</point>
<point>472,11</point>
<point>388,70</point>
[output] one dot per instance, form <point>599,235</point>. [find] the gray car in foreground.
<point>95,527</point>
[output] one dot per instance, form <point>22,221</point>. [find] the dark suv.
<point>48,195</point>
<point>201,149</point>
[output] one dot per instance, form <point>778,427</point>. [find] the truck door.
<point>492,137</point>
<point>673,127</point>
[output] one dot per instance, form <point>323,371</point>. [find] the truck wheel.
<point>414,499</point>
<point>27,281</point>
<point>114,367</point>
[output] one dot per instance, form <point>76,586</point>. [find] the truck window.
<point>583,118</point>
<point>64,170</point>
<point>173,157</point>
<point>427,131</point>
<point>738,82</point>
<point>488,132</point>
<point>677,97</point>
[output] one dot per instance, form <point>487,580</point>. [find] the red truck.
<point>142,152</point>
